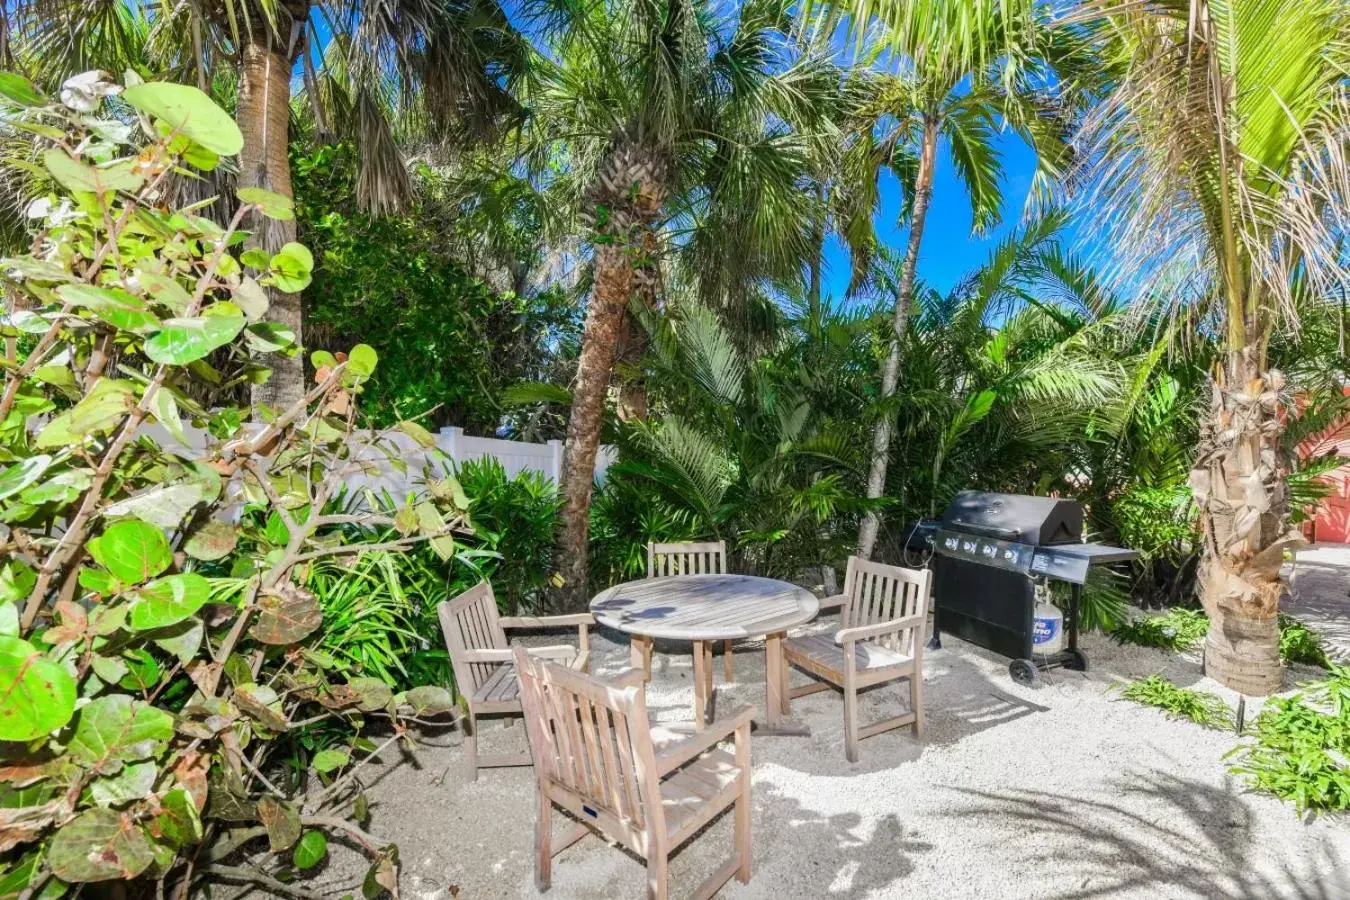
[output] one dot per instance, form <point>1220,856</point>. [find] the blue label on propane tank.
<point>1043,631</point>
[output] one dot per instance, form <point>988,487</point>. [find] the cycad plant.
<point>1218,163</point>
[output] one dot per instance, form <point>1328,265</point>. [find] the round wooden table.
<point>703,609</point>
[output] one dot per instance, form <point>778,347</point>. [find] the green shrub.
<point>157,662</point>
<point>1299,748</point>
<point>517,518</point>
<point>1300,644</point>
<point>1200,707</point>
<point>1158,522</point>
<point>1177,629</point>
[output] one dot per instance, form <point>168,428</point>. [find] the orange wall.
<point>1332,523</point>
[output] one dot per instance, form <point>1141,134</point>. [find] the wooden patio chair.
<point>595,758</point>
<point>689,558</point>
<point>475,636</point>
<point>883,612</point>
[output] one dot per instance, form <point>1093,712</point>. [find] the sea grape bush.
<point>150,656</point>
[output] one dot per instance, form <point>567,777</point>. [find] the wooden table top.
<point>704,607</point>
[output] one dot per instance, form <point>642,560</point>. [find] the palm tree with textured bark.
<point>1218,173</point>
<point>437,71</point>
<point>962,73</point>
<point>662,115</point>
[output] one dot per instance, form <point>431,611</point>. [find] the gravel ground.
<point>1063,790</point>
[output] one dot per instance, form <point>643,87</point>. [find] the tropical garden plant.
<point>156,655</point>
<point>1217,166</point>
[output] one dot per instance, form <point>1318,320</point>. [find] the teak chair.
<point>485,675</point>
<point>594,757</point>
<point>883,611</point>
<point>689,558</point>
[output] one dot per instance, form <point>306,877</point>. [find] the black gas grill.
<point>991,551</point>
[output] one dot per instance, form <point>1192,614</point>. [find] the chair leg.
<point>916,701</point>
<point>851,722</point>
<point>742,812</point>
<point>656,875</point>
<point>471,739</point>
<point>543,849</point>
<point>728,664</point>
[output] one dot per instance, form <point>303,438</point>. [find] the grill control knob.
<point>968,546</point>
<point>1010,555</point>
<point>989,550</point>
<point>950,543</point>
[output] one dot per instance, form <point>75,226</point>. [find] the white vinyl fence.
<point>381,475</point>
<point>514,456</point>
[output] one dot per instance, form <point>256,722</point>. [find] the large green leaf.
<point>100,845</point>
<point>178,822</point>
<point>311,849</point>
<point>164,505</point>
<point>132,782</point>
<point>169,600</point>
<point>272,204</point>
<point>116,729</point>
<point>37,695</point>
<point>23,473</point>
<point>188,111</point>
<point>20,90</point>
<point>212,541</point>
<point>292,267</point>
<point>286,616</point>
<point>106,405</point>
<point>79,177</point>
<point>281,820</point>
<point>182,341</point>
<point>132,551</point>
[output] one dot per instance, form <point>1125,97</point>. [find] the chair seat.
<point>692,795</point>
<point>819,651</point>
<point>500,692</point>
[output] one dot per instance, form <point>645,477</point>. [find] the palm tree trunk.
<point>631,190</point>
<point>632,386</point>
<point>264,116</point>
<point>817,250</point>
<point>904,297</point>
<point>1240,489</point>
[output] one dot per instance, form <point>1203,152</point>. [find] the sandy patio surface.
<point>1059,791</point>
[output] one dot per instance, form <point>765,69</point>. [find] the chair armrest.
<point>677,754</point>
<point>627,678</point>
<point>864,632</point>
<point>485,656</point>
<point>547,621</point>
<point>834,601</point>
<point>554,651</point>
<point>582,622</point>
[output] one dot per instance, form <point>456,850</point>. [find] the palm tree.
<point>667,113</point>
<point>1219,163</point>
<point>441,69</point>
<point>964,70</point>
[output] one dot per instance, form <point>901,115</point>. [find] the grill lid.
<point>1016,517</point>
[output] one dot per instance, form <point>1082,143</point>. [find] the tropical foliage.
<point>155,657</point>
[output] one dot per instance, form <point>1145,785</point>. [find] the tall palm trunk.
<point>628,195</point>
<point>264,117</point>
<point>904,298</point>
<point>632,345</point>
<point>1239,483</point>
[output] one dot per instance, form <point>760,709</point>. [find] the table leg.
<point>775,719</point>
<point>640,655</point>
<point>701,677</point>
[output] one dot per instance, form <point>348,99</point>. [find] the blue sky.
<point>948,251</point>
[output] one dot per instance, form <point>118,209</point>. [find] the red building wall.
<point>1332,523</point>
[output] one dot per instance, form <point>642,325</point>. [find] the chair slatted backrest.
<point>686,558</point>
<point>877,593</point>
<point>591,740</point>
<point>470,622</point>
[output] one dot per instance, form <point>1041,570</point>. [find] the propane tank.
<point>1047,632</point>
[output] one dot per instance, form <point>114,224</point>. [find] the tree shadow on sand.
<point>1204,845</point>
